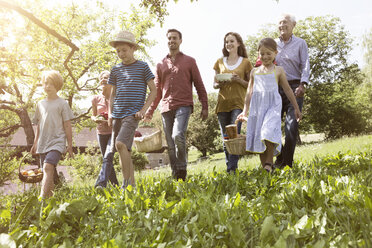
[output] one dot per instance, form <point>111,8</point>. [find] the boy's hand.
<point>109,122</point>
<point>70,152</point>
<point>139,115</point>
<point>33,150</point>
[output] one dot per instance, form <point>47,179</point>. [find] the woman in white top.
<point>230,102</point>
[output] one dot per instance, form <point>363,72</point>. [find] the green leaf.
<point>320,244</point>
<point>236,233</point>
<point>31,202</point>
<point>281,242</point>
<point>267,226</point>
<point>5,214</point>
<point>301,224</point>
<point>237,200</point>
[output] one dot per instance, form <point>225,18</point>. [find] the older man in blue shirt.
<point>293,57</point>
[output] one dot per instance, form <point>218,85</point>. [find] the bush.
<point>139,160</point>
<point>203,134</point>
<point>88,164</point>
<point>336,110</point>
<point>8,165</point>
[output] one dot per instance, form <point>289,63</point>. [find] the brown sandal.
<point>268,167</point>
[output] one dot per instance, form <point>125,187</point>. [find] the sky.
<point>204,23</point>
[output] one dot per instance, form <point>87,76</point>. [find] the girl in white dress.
<point>265,104</point>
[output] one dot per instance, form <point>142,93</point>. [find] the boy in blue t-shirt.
<point>128,103</point>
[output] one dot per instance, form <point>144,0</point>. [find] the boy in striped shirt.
<point>128,103</point>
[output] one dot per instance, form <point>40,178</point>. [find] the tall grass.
<point>324,201</point>
<point>303,154</point>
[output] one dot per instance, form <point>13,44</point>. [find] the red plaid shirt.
<point>174,81</point>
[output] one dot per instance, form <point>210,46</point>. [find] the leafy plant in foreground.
<point>324,203</point>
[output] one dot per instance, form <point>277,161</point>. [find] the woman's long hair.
<point>241,49</point>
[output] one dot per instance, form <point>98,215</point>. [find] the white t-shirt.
<point>232,67</point>
<point>50,116</point>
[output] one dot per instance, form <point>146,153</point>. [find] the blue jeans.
<point>290,128</point>
<point>175,124</point>
<point>107,172</point>
<point>225,119</point>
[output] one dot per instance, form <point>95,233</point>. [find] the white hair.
<point>292,18</point>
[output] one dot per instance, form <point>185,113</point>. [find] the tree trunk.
<point>27,127</point>
<point>204,152</point>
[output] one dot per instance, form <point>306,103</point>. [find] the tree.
<point>203,134</point>
<point>337,108</point>
<point>67,37</point>
<point>367,45</point>
<point>365,90</point>
<point>158,8</point>
<point>333,102</point>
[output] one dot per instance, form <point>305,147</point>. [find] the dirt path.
<point>16,186</point>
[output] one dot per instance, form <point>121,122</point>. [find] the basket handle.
<point>23,158</point>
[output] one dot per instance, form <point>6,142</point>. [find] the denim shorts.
<point>124,129</point>
<point>51,157</point>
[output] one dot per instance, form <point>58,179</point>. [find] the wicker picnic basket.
<point>24,176</point>
<point>149,143</point>
<point>236,146</point>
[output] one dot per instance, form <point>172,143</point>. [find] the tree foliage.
<point>68,37</point>
<point>367,45</point>
<point>334,104</point>
<point>203,135</point>
<point>7,165</point>
<point>158,8</point>
<point>337,109</point>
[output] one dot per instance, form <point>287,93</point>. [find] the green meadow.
<point>324,201</point>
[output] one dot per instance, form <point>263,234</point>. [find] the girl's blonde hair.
<point>53,77</point>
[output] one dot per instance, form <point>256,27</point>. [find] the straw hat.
<point>124,36</point>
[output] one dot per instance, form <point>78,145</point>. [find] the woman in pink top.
<point>100,104</point>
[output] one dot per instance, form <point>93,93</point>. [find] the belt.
<point>296,81</point>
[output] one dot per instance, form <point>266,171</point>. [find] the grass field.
<point>313,145</point>
<point>324,201</point>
